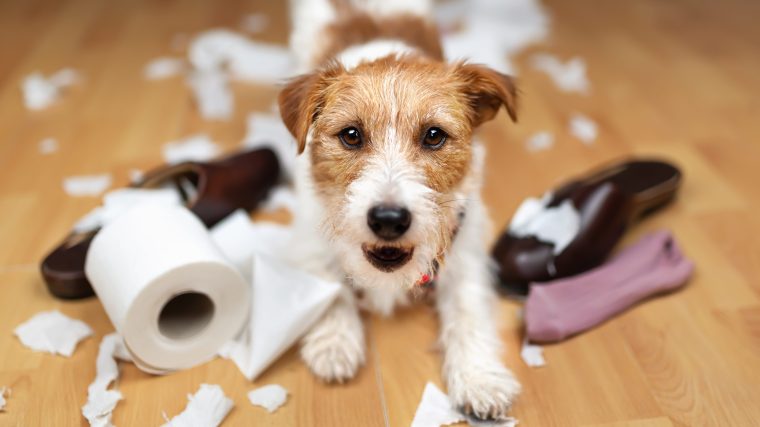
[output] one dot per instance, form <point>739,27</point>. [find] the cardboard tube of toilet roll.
<point>166,287</point>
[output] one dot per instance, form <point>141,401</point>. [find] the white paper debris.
<point>269,397</point>
<point>86,185</point>
<point>254,23</point>
<point>569,76</point>
<point>557,225</point>
<point>272,330</point>
<point>48,146</point>
<point>281,197</point>
<point>197,148</point>
<point>491,31</point>
<point>212,94</point>
<point>239,239</point>
<point>100,400</point>
<point>39,92</point>
<point>540,141</point>
<point>532,355</point>
<point>583,128</point>
<point>435,409</point>
<point>206,408</point>
<point>268,130</point>
<point>245,59</point>
<point>164,68</point>
<point>2,398</point>
<point>117,202</point>
<point>52,332</point>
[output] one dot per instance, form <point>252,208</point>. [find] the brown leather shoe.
<point>608,201</point>
<point>211,190</point>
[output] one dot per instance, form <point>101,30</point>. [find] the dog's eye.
<point>434,138</point>
<point>351,137</point>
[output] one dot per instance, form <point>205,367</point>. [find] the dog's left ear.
<point>300,101</point>
<point>488,90</point>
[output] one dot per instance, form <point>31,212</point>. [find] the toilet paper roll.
<point>166,287</point>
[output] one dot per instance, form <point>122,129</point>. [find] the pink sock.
<point>562,308</point>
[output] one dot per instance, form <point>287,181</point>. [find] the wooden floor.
<point>676,79</point>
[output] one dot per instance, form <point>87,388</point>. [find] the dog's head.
<point>389,144</point>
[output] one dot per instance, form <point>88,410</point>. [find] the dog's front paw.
<point>333,356</point>
<point>486,393</point>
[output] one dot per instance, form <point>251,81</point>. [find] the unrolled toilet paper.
<point>166,287</point>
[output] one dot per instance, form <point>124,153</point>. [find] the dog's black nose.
<point>389,222</point>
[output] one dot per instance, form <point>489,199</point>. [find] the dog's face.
<point>389,144</point>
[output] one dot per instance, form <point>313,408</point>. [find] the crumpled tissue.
<point>532,354</point>
<point>100,400</point>
<point>269,397</point>
<point>197,148</point>
<point>557,225</point>
<point>206,408</point>
<point>569,76</point>
<point>86,185</point>
<point>40,92</point>
<point>272,329</point>
<point>52,332</point>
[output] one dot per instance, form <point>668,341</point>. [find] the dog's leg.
<point>477,380</point>
<point>334,347</point>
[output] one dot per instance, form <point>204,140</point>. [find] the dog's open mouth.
<point>387,258</point>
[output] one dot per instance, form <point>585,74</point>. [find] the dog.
<point>388,179</point>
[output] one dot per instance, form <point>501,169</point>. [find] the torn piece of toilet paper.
<point>569,76</point>
<point>435,409</point>
<point>532,354</point>
<point>269,397</point>
<point>118,201</point>
<point>268,130</point>
<point>272,330</point>
<point>490,32</point>
<point>239,239</point>
<point>48,146</point>
<point>540,141</point>
<point>583,128</point>
<point>52,332</point>
<point>100,400</point>
<point>197,148</point>
<point>280,197</point>
<point>164,68</point>
<point>212,93</point>
<point>39,92</point>
<point>557,225</point>
<point>86,185</point>
<point>254,23</point>
<point>245,59</point>
<point>2,397</point>
<point>206,408</point>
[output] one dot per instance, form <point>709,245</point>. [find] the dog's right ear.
<point>300,101</point>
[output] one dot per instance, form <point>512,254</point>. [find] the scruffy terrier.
<point>389,184</point>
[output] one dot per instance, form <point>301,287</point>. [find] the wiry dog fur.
<point>377,67</point>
